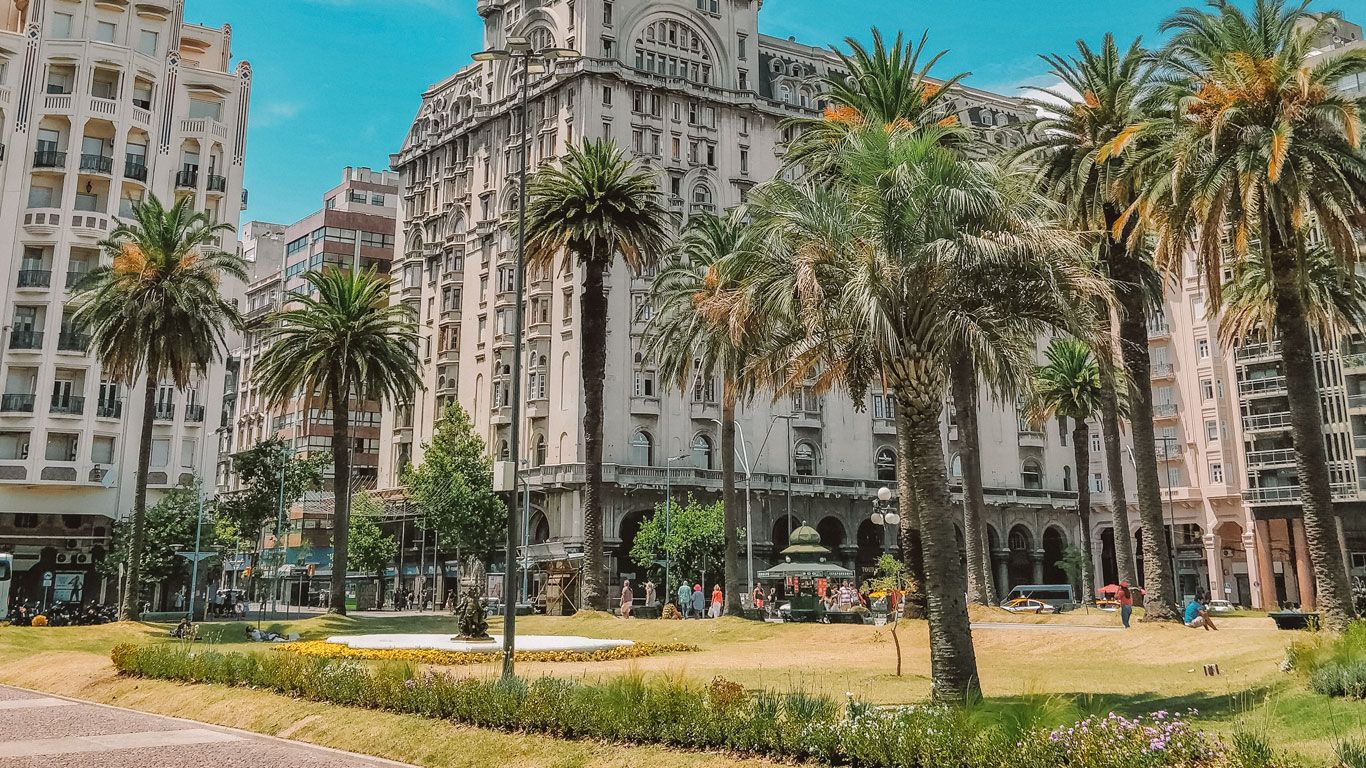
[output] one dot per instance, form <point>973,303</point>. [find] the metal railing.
<point>135,169</point>
<point>69,405</point>
<point>74,277</point>
<point>1266,420</point>
<point>34,278</point>
<point>97,164</point>
<point>16,403</point>
<point>217,183</point>
<point>109,410</point>
<point>187,179</point>
<point>45,158</point>
<point>1261,386</point>
<point>164,412</point>
<point>1254,351</point>
<point>73,341</point>
<point>194,413</point>
<point>1162,370</point>
<point>1271,457</point>
<point>1164,410</point>
<point>26,339</point>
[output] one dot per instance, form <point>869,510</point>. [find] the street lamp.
<point>884,512</point>
<point>533,61</point>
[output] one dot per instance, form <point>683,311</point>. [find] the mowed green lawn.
<point>1045,669</point>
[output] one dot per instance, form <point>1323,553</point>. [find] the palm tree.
<point>1069,385</point>
<point>596,206</point>
<point>703,327</point>
<point>1261,144</point>
<point>1106,98</point>
<point>342,339</point>
<point>866,280</point>
<point>157,310</point>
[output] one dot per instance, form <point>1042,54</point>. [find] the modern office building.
<point>101,104</point>
<point>354,229</point>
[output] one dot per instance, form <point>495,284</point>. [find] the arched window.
<point>674,49</point>
<point>1067,478</point>
<point>643,449</point>
<point>956,466</point>
<point>540,38</point>
<point>701,452</point>
<point>886,464</point>
<point>1031,474</point>
<point>504,452</point>
<point>538,459</point>
<point>785,94</point>
<point>701,194</point>
<point>805,459</point>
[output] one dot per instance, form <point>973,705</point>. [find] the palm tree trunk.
<point>1081,456</point>
<point>730,504</point>
<point>964,384</point>
<point>341,495</point>
<point>908,533</point>
<point>1114,467</point>
<point>594,323</point>
<point>1159,603</point>
<point>133,568</point>
<point>953,662</point>
<point>1334,598</point>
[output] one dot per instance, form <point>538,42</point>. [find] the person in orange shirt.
<point>1125,598</point>
<point>717,601</point>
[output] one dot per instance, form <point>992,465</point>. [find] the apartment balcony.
<point>26,340</point>
<point>1251,352</point>
<point>135,170</point>
<point>1283,494</point>
<point>45,158</point>
<point>97,164</point>
<point>1159,332</point>
<point>74,277</point>
<point>73,341</point>
<point>109,410</point>
<point>34,278</point>
<point>1162,371</point>
<point>103,107</point>
<point>187,179</point>
<point>164,412</point>
<point>1266,422</point>
<point>1164,411</point>
<point>204,126</point>
<point>194,414</point>
<point>16,403</point>
<point>69,405</point>
<point>644,406</point>
<point>1272,457</point>
<point>217,183</point>
<point>1031,437</point>
<point>1168,451</point>
<point>1268,386</point>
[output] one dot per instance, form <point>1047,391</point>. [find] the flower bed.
<point>672,711</point>
<point>321,649</point>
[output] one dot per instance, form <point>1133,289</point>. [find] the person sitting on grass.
<point>1197,616</point>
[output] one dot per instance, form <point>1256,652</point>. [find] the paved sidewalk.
<point>42,731</point>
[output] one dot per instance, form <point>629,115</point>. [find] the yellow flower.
<point>460,658</point>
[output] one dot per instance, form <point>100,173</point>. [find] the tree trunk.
<point>908,532</point>
<point>594,328</point>
<point>964,385</point>
<point>1334,593</point>
<point>1081,456</point>
<point>341,495</point>
<point>730,504</point>
<point>1159,603</point>
<point>953,662</point>
<point>132,607</point>
<point>1114,467</point>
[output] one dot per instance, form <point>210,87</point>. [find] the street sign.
<point>195,557</point>
<point>236,562</point>
<point>47,578</point>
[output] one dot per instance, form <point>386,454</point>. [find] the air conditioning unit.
<point>83,558</point>
<point>64,558</point>
<point>1227,552</point>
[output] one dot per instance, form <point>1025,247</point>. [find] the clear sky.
<point>337,82</point>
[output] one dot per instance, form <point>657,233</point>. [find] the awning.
<point>808,570</point>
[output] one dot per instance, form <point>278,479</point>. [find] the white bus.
<point>6,575</point>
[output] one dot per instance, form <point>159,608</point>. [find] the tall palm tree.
<point>866,279</point>
<point>593,208</point>
<point>1069,385</point>
<point>1106,98</point>
<point>703,327</point>
<point>1260,144</point>
<point>157,310</point>
<point>340,339</point>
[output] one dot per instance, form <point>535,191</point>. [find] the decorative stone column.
<point>1037,557</point>
<point>1266,573</point>
<point>1214,561</point>
<point>1254,577</point>
<point>1304,571</point>
<point>1001,559</point>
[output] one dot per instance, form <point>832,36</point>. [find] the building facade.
<point>699,95</point>
<point>100,105</point>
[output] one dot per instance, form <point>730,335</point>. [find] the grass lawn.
<point>1052,669</point>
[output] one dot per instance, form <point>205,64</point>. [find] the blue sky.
<point>338,81</point>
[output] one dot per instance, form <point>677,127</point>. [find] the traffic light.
<point>246,572</point>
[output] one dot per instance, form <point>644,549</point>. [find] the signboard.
<point>236,563</point>
<point>47,578</point>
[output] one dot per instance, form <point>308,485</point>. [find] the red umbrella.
<point>1108,589</point>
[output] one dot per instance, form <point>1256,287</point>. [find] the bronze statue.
<point>470,614</point>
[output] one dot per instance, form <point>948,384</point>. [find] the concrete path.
<point>42,731</point>
<point>1043,627</point>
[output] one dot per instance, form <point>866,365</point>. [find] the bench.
<point>1295,620</point>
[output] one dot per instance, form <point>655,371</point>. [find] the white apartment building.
<point>101,104</point>
<point>697,93</point>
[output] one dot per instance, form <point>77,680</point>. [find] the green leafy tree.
<point>694,544</point>
<point>241,514</point>
<point>593,208</point>
<point>1075,564</point>
<point>344,340</point>
<point>168,528</point>
<point>157,311</point>
<point>453,487</point>
<point>1261,140</point>
<point>372,550</point>
<point>893,579</point>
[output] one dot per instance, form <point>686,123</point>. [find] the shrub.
<point>1351,754</point>
<point>1340,678</point>
<point>460,658</point>
<point>675,711</point>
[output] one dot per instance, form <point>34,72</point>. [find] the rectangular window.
<point>1095,442</point>
<point>102,451</point>
<point>1173,477</point>
<point>148,40</point>
<point>645,384</point>
<point>1216,473</point>
<point>62,25</point>
<point>61,446</point>
<point>1207,389</point>
<point>105,31</point>
<point>607,14</point>
<point>744,161</point>
<point>13,446</point>
<point>1097,483</point>
<point>742,47</point>
<point>607,95</point>
<point>1211,430</point>
<point>1202,349</point>
<point>187,452</point>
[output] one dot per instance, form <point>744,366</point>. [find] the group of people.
<point>692,601</point>
<point>845,597</point>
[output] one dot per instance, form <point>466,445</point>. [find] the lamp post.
<point>533,62</point>
<point>884,512</point>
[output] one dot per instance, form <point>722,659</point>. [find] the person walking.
<point>1126,603</point>
<point>699,602</point>
<point>649,594</point>
<point>626,598</point>
<point>717,601</point>
<point>684,600</point>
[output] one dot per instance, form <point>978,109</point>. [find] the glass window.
<point>1031,474</point>
<point>885,464</point>
<point>643,449</point>
<point>105,31</point>
<point>61,446</point>
<point>805,460</point>
<point>148,41</point>
<point>702,452</point>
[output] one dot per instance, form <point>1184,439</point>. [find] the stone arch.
<point>832,534</point>
<point>538,528</point>
<point>1020,559</point>
<point>644,22</point>
<point>627,529</point>
<point>1054,545</point>
<point>782,528</point>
